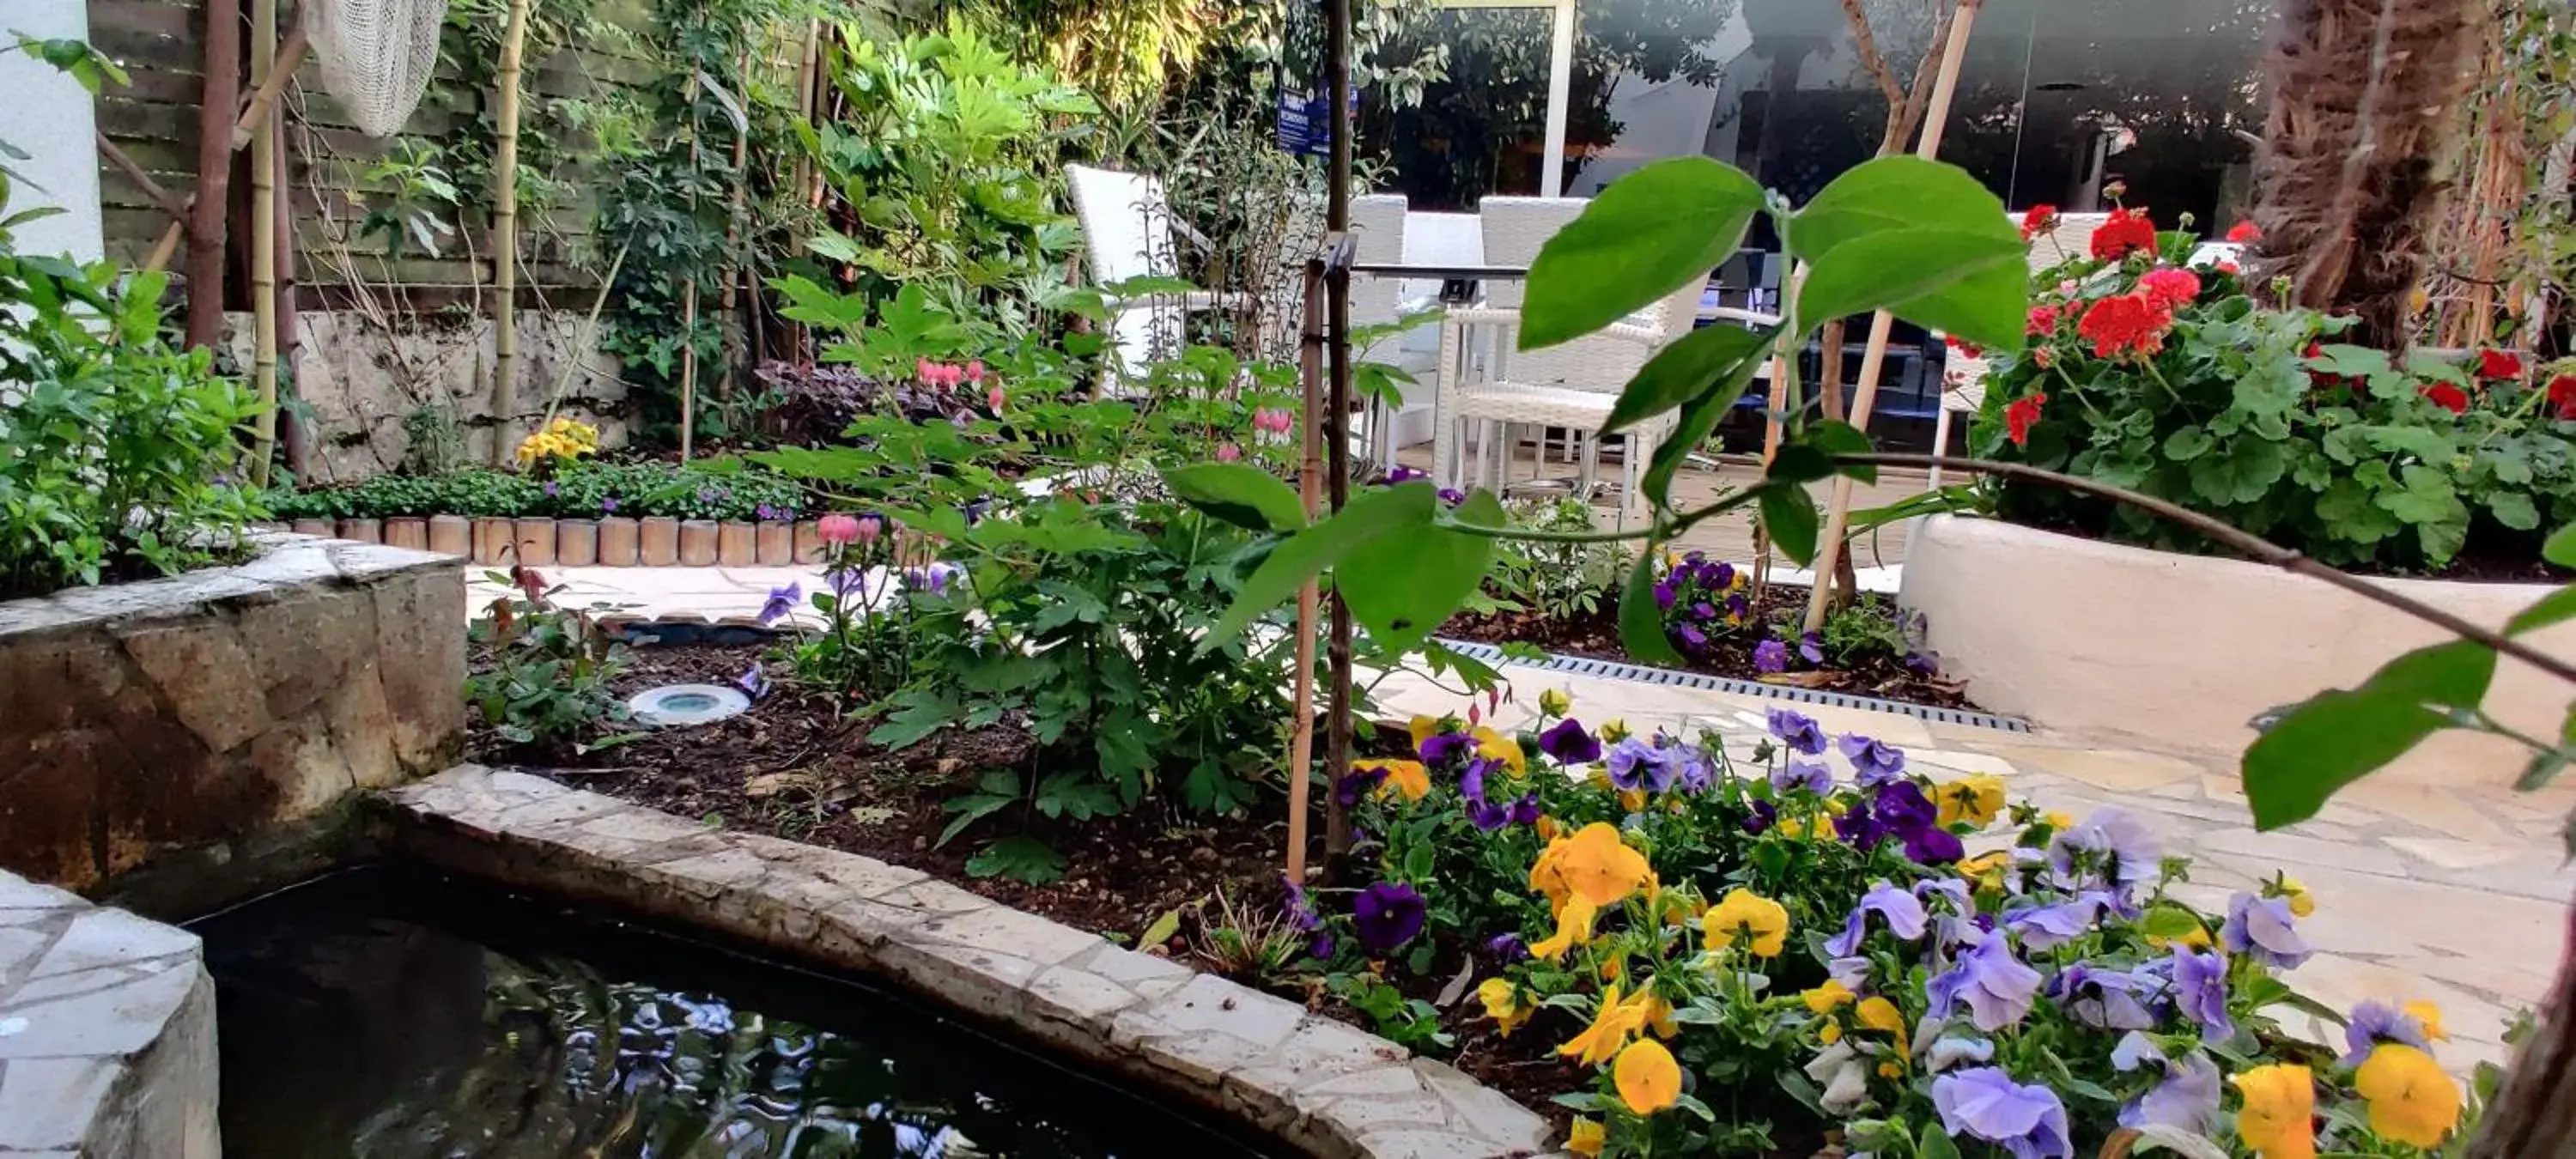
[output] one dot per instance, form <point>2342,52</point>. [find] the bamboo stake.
<point>214,177</point>
<point>263,250</point>
<point>505,238</point>
<point>689,299</point>
<point>737,279</point>
<point>291,439</point>
<point>1838,514</point>
<point>1310,481</point>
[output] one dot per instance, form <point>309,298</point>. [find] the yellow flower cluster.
<point>564,438</point>
<point>2408,1097</point>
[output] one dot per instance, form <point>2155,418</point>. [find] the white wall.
<point>49,115</point>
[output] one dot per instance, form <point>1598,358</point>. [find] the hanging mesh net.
<point>376,56</point>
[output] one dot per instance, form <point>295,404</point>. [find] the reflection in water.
<point>386,1015</point>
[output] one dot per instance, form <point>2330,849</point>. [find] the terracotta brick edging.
<point>605,542</point>
<point>1328,1088</point>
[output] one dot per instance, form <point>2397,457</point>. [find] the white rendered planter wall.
<point>2181,652</point>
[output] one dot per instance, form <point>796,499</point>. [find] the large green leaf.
<point>1698,418</point>
<point>2452,675</point>
<point>1898,193</point>
<point>2561,547</point>
<point>1687,369</point>
<point>1402,586</point>
<point>2331,741</point>
<point>1240,494</point>
<point>1789,514</point>
<point>1974,285</point>
<point>1640,239</point>
<point>1641,620</point>
<point>1397,510</point>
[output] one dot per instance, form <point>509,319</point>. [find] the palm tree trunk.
<point>2535,1113</point>
<point>2358,150</point>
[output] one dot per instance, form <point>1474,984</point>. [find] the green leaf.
<point>2187,443</point>
<point>1020,858</point>
<point>970,809</point>
<point>1686,370</point>
<point>2555,608</point>
<point>1976,286</point>
<point>1898,193</point>
<point>1640,239</point>
<point>1370,514</point>
<point>1698,419</point>
<point>1641,622</point>
<point>1933,1144</point>
<point>2334,739</point>
<point>1789,514</point>
<point>2514,509</point>
<point>1162,929</point>
<point>2167,920</point>
<point>2452,675</point>
<point>1401,587</point>
<point>1836,437</point>
<point>2561,546</point>
<point>1240,494</point>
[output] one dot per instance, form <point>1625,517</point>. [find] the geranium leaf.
<point>1646,235</point>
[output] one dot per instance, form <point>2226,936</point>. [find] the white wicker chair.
<point>1572,385</point>
<point>1128,232</point>
<point>1378,221</point>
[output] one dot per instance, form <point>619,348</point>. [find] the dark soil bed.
<point>795,767</point>
<point>1597,637</point>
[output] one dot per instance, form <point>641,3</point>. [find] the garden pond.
<point>387,1011</point>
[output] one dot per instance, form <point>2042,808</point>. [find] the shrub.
<point>552,669</point>
<point>579,489</point>
<point>116,451</point>
<point>2176,383</point>
<point>1555,578</point>
<point>1739,964</point>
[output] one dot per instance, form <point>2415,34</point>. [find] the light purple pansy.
<point>1874,762</point>
<point>2200,990</point>
<point>2110,848</point>
<point>2375,1022</point>
<point>2046,927</point>
<point>2105,999</point>
<point>1998,987</point>
<point>1798,731</point>
<point>2187,1100</point>
<point>1904,914</point>
<point>1794,774</point>
<point>2262,928</point>
<point>1985,1103</point>
<point>1635,764</point>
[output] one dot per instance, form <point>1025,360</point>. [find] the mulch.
<point>795,766</point>
<point>1596,637</point>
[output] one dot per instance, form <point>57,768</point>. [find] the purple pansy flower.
<point>1387,915</point>
<point>1471,783</point>
<point>1797,731</point>
<point>1811,648</point>
<point>1691,767</point>
<point>2046,927</point>
<point>1436,750</point>
<point>1873,762</point>
<point>1507,948</point>
<point>2111,848</point>
<point>2104,999</point>
<point>608,503</point>
<point>1905,813</point>
<point>1525,811</point>
<point>1860,828</point>
<point>1762,818</point>
<point>1635,764</point>
<point>1997,986</point>
<point>1570,743</point>
<point>753,682</point>
<point>2261,927</point>
<point>552,488</point>
<point>1811,776</point>
<point>2135,1050</point>
<point>2187,1100</point>
<point>1303,917</point>
<point>2200,990</point>
<point>1356,784</point>
<point>2375,1022</point>
<point>1770,656</point>
<point>1691,638</point>
<point>1903,911</point>
<point>781,602</point>
<point>1985,1103</point>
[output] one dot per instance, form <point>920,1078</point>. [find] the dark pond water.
<point>388,1013</point>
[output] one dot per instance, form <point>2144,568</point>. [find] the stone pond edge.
<point>1321,1085</point>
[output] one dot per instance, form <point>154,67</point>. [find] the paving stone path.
<point>2458,895</point>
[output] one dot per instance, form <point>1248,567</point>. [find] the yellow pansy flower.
<point>2059,819</point>
<point>2430,1016</point>
<point>1647,1077</point>
<point>2411,1100</point>
<point>1827,998</point>
<point>1614,732</point>
<point>1503,1004</point>
<point>1502,748</point>
<point>1986,870</point>
<point>1407,779</point>
<point>2278,1120</point>
<point>2302,903</point>
<point>1891,1070</point>
<point>1633,800</point>
<point>1760,921</point>
<point>1423,728</point>
<point>1611,1026</point>
<point>1656,1014</point>
<point>1972,801</point>
<point>1881,1015</point>
<point>1830,1033</point>
<point>1573,928</point>
<point>1555,702</point>
<point>1585,1137</point>
<point>1593,864</point>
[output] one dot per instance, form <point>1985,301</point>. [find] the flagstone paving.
<point>2456,895</point>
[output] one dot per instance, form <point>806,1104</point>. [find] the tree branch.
<point>2245,543</point>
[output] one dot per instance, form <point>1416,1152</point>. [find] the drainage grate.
<point>1614,670</point>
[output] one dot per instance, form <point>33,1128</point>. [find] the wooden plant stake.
<point>505,238</point>
<point>1310,486</point>
<point>263,251</point>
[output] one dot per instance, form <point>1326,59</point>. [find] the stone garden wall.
<point>223,716</point>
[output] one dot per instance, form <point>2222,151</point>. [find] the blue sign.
<point>1306,124</point>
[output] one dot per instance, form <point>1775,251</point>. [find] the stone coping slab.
<point>1325,1087</point>
<point>107,1032</point>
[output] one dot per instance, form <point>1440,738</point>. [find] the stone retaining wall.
<point>215,715</point>
<point>1324,1086</point>
<point>107,1033</point>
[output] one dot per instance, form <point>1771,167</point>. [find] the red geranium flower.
<point>2499,364</point>
<point>2039,220</point>
<point>2020,415</point>
<point>2562,397</point>
<point>2124,234</point>
<point>2170,287</point>
<point>2245,233</point>
<point>2229,268</point>
<point>2447,396</point>
<point>2126,323</point>
<point>2043,320</point>
<point>1965,349</point>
